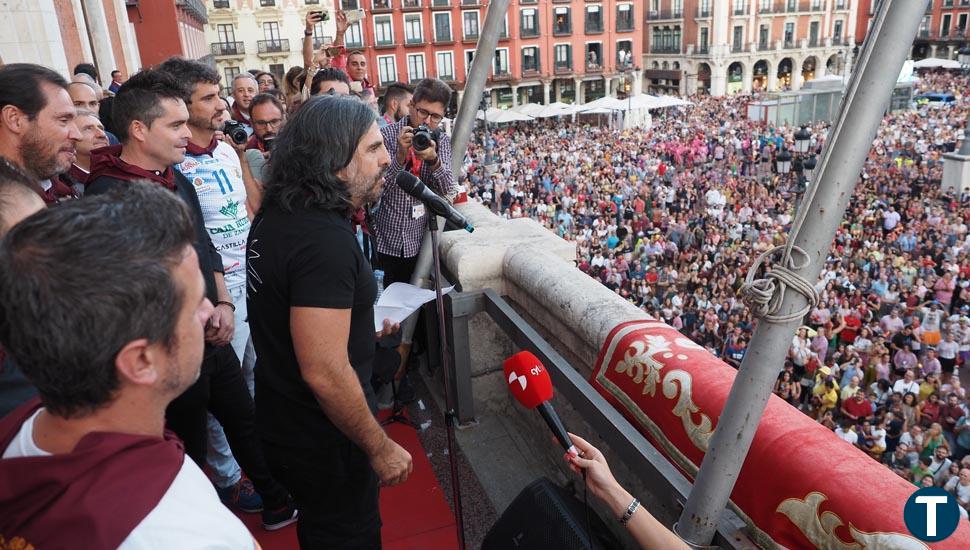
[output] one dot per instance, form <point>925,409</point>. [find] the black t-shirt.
<point>307,258</point>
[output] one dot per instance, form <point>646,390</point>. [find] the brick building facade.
<point>728,46</point>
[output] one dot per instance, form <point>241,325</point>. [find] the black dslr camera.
<point>235,131</point>
<point>423,137</point>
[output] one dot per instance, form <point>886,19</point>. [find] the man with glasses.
<point>401,219</point>
<point>268,120</point>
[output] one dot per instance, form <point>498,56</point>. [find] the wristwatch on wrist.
<point>307,33</point>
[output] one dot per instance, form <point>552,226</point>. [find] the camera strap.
<point>414,163</point>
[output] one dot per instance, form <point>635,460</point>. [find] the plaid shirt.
<point>399,234</point>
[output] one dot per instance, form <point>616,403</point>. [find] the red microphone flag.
<point>528,380</point>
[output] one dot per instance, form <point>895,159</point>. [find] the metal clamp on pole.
<point>850,140</point>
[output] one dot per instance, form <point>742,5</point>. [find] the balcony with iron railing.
<point>662,15</point>
<point>788,44</point>
<point>842,4</point>
<point>269,47</point>
<point>704,50</point>
<point>220,4</point>
<point>737,47</point>
<point>813,42</point>
<point>764,46</point>
<point>703,11</point>
<point>740,10</point>
<point>223,49</point>
<point>666,49</point>
<point>563,67</point>
<point>440,4</point>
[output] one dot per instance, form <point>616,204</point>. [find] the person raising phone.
<point>314,61</point>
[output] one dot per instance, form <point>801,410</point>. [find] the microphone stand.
<point>450,417</point>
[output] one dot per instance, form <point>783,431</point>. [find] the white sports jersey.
<point>218,182</point>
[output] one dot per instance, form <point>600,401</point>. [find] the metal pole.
<point>461,133</point>
<point>845,152</point>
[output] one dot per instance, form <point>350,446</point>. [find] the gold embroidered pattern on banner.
<point>819,528</point>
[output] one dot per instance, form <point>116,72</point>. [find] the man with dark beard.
<point>311,305</point>
<point>267,117</point>
<point>220,176</point>
<point>37,129</point>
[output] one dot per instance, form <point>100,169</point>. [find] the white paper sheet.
<point>399,301</point>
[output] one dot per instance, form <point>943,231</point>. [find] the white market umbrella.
<point>605,102</point>
<point>492,112</point>
<point>936,63</point>
<point>597,111</point>
<point>554,109</point>
<point>510,116</point>
<point>531,109</point>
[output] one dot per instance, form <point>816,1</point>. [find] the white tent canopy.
<point>510,116</point>
<point>605,102</point>
<point>934,63</point>
<point>491,113</point>
<point>554,109</point>
<point>531,109</point>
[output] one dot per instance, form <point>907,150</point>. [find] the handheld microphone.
<point>435,202</point>
<point>530,385</point>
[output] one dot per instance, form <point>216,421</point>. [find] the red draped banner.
<point>800,487</point>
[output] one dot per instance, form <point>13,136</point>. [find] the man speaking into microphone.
<point>311,306</point>
<point>417,145</point>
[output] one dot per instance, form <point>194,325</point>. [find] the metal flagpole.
<point>780,313</point>
<point>461,133</point>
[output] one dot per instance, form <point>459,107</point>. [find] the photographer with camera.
<point>268,120</point>
<point>417,145</point>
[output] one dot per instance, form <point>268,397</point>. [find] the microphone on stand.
<point>531,386</point>
<point>435,202</point>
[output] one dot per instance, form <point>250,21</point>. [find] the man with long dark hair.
<point>311,306</point>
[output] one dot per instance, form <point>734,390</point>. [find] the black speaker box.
<point>545,516</point>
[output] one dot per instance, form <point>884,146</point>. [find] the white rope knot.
<point>765,296</point>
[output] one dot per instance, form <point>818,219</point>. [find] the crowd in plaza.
<point>670,218</point>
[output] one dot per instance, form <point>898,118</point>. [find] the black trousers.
<point>335,489</point>
<point>397,269</point>
<point>221,390</point>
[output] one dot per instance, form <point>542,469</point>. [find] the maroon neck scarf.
<point>91,497</point>
<point>107,162</point>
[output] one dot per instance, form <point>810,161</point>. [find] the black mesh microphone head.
<point>409,183</point>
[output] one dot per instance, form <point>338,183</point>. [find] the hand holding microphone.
<point>530,385</point>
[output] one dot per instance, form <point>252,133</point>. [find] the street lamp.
<point>783,162</point>
<point>803,139</point>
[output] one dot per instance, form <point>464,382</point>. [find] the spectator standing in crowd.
<point>116,81</point>
<point>93,137</point>
<point>330,81</point>
<point>401,220</point>
<point>153,126</point>
<point>311,305</point>
<point>37,129</point>
<point>84,96</point>
<point>268,120</point>
<point>107,358</point>
<point>244,89</point>
<point>227,193</point>
<point>395,104</point>
<point>88,70</point>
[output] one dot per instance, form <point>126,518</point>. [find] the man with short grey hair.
<point>244,89</point>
